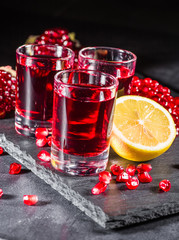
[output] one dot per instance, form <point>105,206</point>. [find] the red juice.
<point>117,62</point>
<point>83,110</point>
<point>36,66</point>
<point>84,127</point>
<point>35,93</point>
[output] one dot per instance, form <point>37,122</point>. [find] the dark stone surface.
<point>117,207</point>
<point>57,219</point>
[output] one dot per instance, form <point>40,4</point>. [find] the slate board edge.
<point>91,210</point>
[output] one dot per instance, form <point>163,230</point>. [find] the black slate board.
<point>118,206</point>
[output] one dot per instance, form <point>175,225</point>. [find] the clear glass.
<point>36,66</point>
<point>83,108</point>
<point>117,62</point>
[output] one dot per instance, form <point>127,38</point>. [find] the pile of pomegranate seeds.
<point>165,185</point>
<point>127,176</point>
<point>30,199</point>
<point>1,150</point>
<point>58,36</point>
<point>15,168</point>
<point>42,138</point>
<point>7,90</point>
<point>62,37</point>
<point>152,89</point>
<point>104,179</point>
<point>41,132</point>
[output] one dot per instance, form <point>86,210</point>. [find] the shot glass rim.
<point>72,54</point>
<point>114,85</point>
<point>105,61</point>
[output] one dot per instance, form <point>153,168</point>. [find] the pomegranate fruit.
<point>7,90</point>
<point>152,89</point>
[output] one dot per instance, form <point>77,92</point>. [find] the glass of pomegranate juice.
<point>83,108</point>
<point>117,62</point>
<point>36,66</point>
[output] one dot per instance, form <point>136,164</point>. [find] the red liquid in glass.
<point>84,127</point>
<point>122,73</point>
<point>35,92</point>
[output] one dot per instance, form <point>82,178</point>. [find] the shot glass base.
<point>78,165</point>
<point>27,127</point>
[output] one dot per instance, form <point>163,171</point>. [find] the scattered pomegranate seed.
<point>30,199</point>
<point>1,150</point>
<point>144,177</point>
<point>41,132</point>
<point>49,141</point>
<point>15,168</point>
<point>99,188</point>
<point>144,167</point>
<point>1,192</point>
<point>132,183</point>
<point>44,156</point>
<point>116,169</point>
<point>105,177</point>
<point>165,185</point>
<point>123,177</point>
<point>41,141</point>
<point>130,169</point>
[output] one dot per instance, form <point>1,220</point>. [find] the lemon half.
<point>142,128</point>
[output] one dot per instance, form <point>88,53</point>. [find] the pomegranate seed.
<point>144,177</point>
<point>130,169</point>
<point>15,168</point>
<point>44,156</point>
<point>1,150</point>
<point>41,132</point>
<point>134,78</point>
<point>165,185</point>
<point>176,99</point>
<point>99,188</point>
<point>41,142</point>
<point>1,192</point>
<point>105,177</point>
<point>49,140</point>
<point>123,177</point>
<point>132,183</point>
<point>30,199</point>
<point>116,169</point>
<point>144,167</point>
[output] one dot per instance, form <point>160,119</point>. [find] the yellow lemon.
<point>142,128</point>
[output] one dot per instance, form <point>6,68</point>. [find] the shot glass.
<point>36,66</point>
<point>117,62</point>
<point>83,108</point>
